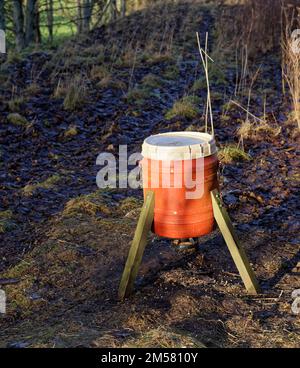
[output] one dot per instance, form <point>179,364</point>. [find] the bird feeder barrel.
<point>167,159</point>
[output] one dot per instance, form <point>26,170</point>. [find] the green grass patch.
<point>231,154</point>
<point>187,107</point>
<point>199,85</point>
<point>137,95</point>
<point>152,81</point>
<point>16,103</point>
<point>172,72</point>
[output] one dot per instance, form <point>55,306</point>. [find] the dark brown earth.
<point>64,243</point>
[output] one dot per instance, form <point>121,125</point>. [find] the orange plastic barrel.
<point>167,160</point>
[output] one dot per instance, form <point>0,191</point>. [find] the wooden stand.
<point>144,226</point>
<point>137,247</point>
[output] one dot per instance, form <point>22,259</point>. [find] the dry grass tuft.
<point>99,72</point>
<point>130,204</point>
<point>72,131</point>
<point>73,91</point>
<point>32,89</point>
<point>157,58</point>
<point>291,58</point>
<point>90,204</point>
<point>113,83</point>
<point>249,130</point>
<point>163,338</point>
<point>76,94</point>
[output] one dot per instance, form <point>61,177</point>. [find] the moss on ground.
<point>6,221</point>
<point>17,119</point>
<point>49,183</point>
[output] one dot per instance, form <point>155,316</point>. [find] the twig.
<point>243,108</point>
<point>205,66</point>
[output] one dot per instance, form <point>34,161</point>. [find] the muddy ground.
<point>64,242</point>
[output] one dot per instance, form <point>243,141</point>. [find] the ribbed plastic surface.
<point>175,216</point>
<point>179,146</point>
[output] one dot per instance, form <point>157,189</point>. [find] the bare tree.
<point>18,16</point>
<point>2,16</point>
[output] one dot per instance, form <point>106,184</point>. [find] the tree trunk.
<point>37,31</point>
<point>87,14</point>
<point>19,24</point>
<point>113,10</point>
<point>79,17</point>
<point>30,21</point>
<point>50,19</point>
<point>2,15</point>
<point>123,8</point>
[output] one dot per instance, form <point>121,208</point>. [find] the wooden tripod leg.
<point>236,250</point>
<point>137,247</point>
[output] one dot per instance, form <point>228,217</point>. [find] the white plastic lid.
<point>179,146</point>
